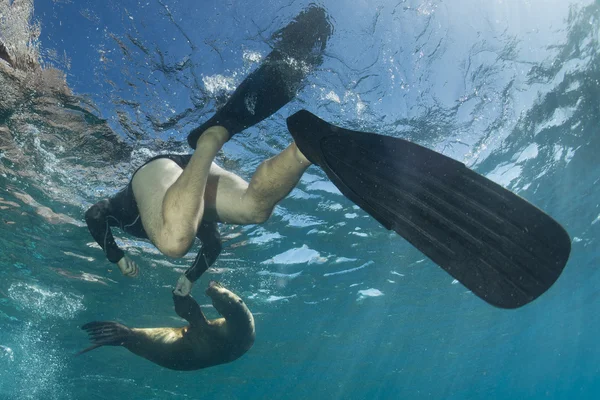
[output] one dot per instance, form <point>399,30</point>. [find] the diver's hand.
<point>184,286</point>
<point>128,267</point>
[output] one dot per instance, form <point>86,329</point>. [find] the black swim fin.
<point>502,248</point>
<point>106,333</point>
<point>299,49</point>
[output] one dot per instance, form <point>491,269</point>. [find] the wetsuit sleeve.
<point>211,248</point>
<point>97,221</point>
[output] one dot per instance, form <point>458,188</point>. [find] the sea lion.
<point>203,343</point>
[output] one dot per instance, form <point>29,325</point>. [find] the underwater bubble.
<point>6,353</point>
<point>41,364</point>
<point>331,96</point>
<point>216,83</point>
<point>251,56</point>
<point>44,302</point>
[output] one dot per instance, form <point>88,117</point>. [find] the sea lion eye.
<point>240,301</point>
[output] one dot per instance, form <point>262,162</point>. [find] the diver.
<point>502,248</point>
<point>172,199</point>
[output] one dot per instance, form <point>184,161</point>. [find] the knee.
<point>257,210</point>
<point>175,247</point>
<point>258,216</point>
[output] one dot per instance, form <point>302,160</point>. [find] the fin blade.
<point>298,50</point>
<point>504,249</point>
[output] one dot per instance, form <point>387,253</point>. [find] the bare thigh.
<point>224,199</point>
<point>150,184</point>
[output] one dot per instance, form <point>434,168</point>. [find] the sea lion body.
<point>190,348</point>
<point>203,343</point>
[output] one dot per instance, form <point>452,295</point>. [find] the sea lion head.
<point>228,304</point>
<point>239,320</point>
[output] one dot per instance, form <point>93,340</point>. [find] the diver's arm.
<point>209,252</point>
<point>211,248</point>
<point>96,218</point>
<point>206,257</point>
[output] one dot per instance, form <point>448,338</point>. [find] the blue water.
<point>512,89</point>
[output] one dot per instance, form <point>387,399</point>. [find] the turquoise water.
<point>510,88</point>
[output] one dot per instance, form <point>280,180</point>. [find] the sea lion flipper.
<point>106,333</point>
<point>189,309</point>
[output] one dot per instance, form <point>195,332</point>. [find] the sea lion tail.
<point>105,333</point>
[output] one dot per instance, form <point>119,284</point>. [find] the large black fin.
<point>298,50</point>
<point>502,248</point>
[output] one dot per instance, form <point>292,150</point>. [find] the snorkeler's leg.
<point>298,49</point>
<point>171,200</point>
<point>238,202</point>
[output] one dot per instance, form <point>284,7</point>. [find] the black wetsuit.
<point>121,211</point>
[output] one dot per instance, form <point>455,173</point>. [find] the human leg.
<point>231,199</point>
<point>171,200</point>
<point>298,49</point>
